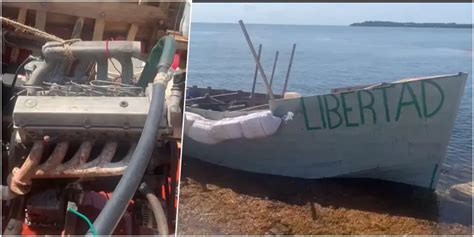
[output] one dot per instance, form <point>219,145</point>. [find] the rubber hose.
<point>156,208</point>
<point>114,209</point>
<point>159,60</point>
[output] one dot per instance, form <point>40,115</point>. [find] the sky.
<point>330,13</point>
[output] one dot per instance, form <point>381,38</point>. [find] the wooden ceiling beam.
<point>108,11</point>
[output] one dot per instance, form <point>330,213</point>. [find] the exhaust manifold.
<point>79,166</point>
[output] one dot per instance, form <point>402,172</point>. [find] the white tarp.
<point>254,125</point>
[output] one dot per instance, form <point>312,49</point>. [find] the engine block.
<point>61,118</point>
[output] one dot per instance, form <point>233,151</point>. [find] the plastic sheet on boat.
<point>255,125</point>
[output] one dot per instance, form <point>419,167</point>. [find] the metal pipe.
<point>76,167</point>
<point>105,156</point>
<point>256,71</point>
<point>20,182</point>
<point>79,158</point>
<point>102,69</point>
<point>98,167</point>
<point>40,73</point>
<point>289,68</point>
<point>55,158</point>
<point>259,65</point>
<point>127,69</point>
<point>92,49</point>
<point>273,69</point>
<point>81,69</point>
<point>175,114</point>
<point>61,68</point>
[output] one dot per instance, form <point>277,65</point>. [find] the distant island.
<point>411,24</point>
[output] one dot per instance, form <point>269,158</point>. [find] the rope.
<point>43,35</point>
<point>31,30</point>
<point>68,50</point>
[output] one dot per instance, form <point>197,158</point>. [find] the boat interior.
<point>226,100</point>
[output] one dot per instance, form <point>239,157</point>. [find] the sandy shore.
<point>218,200</point>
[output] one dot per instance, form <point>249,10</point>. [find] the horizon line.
<point>294,24</point>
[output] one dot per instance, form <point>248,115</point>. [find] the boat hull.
<point>397,132</point>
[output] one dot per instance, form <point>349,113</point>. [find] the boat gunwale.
<point>356,88</point>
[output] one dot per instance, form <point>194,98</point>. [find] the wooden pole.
<point>40,20</point>
<point>132,32</point>
<point>21,19</point>
<point>254,53</point>
<point>98,29</point>
<point>77,30</point>
<point>274,67</point>
<point>289,69</point>
<point>256,71</point>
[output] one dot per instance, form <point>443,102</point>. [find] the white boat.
<point>392,131</point>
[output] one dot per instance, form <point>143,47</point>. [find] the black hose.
<point>114,209</point>
<point>17,72</point>
<point>156,208</point>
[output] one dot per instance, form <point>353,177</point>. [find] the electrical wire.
<point>107,55</point>
<point>91,226</point>
<point>17,72</point>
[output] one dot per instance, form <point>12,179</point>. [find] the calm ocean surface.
<point>334,56</point>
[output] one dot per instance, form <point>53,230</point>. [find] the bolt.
<point>87,124</point>
<point>30,103</point>
<point>123,104</point>
<point>46,139</point>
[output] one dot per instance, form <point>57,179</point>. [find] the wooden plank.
<point>109,11</point>
<point>21,19</point>
<point>98,29</point>
<point>22,15</point>
<point>76,34</point>
<point>77,30</point>
<point>165,5</point>
<point>132,32</point>
<point>181,40</point>
<point>40,24</point>
<point>40,20</point>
